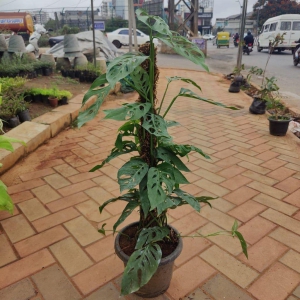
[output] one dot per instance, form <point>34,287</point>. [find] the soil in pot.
<point>171,249</point>
<point>53,102</point>
<point>278,127</point>
<point>258,106</point>
<point>24,115</point>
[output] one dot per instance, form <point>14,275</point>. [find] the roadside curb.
<point>40,129</point>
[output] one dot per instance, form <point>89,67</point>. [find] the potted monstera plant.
<point>153,175</point>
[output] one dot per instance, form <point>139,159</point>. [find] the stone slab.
<point>22,290</point>
<point>72,108</point>
<point>56,120</point>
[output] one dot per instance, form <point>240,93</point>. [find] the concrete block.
<point>8,159</point>
<point>77,99</point>
<point>72,108</point>
<point>56,120</point>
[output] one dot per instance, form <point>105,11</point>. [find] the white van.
<point>288,24</point>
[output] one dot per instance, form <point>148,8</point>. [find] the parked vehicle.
<point>120,37</point>
<point>223,38</point>
<point>208,37</point>
<point>55,40</point>
<point>288,24</point>
<point>296,54</point>
<point>18,22</point>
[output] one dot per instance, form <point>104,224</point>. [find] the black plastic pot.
<point>24,116</point>
<point>82,77</point>
<point>37,98</point>
<point>39,71</point>
<point>64,73</point>
<point>45,99</point>
<point>161,279</point>
<point>278,127</point>
<point>77,73</point>
<point>71,73</point>
<point>258,106</point>
<point>28,98</point>
<point>63,101</point>
<point>47,71</point>
<point>13,122</point>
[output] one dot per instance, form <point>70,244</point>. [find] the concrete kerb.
<point>40,129</point>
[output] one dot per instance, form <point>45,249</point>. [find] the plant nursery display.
<point>153,175</point>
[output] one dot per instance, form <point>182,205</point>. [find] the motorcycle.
<point>39,30</point>
<point>296,54</point>
<point>248,48</point>
<point>236,42</point>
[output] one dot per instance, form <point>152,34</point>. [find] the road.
<point>223,60</point>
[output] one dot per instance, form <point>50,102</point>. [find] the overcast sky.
<point>222,9</point>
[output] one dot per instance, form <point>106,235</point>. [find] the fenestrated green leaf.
<point>190,94</point>
<point>156,194</point>
<point>154,22</point>
<point>171,158</point>
<point>151,235</point>
<point>122,66</point>
<point>155,124</point>
<point>133,195</point>
<point>95,88</point>
<point>132,173</point>
<point>140,267</point>
<point>243,243</point>
<point>191,200</point>
<point>91,112</point>
<point>132,111</point>
<point>185,48</point>
<point>170,202</point>
<point>177,176</point>
<point>187,80</point>
<point>141,80</point>
<point>172,123</point>
<point>183,150</point>
<point>127,147</point>
<point>133,204</point>
<point>119,142</point>
<point>145,202</point>
<point>206,199</point>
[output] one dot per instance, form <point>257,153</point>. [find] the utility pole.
<point>133,23</point>
<point>93,28</point>
<point>242,30</point>
<point>130,25</point>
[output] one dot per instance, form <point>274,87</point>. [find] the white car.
<point>208,37</point>
<point>120,37</point>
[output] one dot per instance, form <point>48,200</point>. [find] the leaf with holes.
<point>183,150</point>
<point>170,202</point>
<point>132,173</point>
<point>177,176</point>
<point>126,147</point>
<point>156,194</point>
<point>190,199</point>
<point>140,267</point>
<point>185,48</point>
<point>188,93</point>
<point>132,205</point>
<point>172,123</point>
<point>133,195</point>
<point>141,80</point>
<point>171,158</point>
<point>122,66</point>
<point>186,80</point>
<point>155,125</point>
<point>91,112</point>
<point>151,235</point>
<point>154,22</point>
<point>132,111</point>
<point>205,199</point>
<point>145,202</point>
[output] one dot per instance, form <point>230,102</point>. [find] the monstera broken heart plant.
<point>153,175</point>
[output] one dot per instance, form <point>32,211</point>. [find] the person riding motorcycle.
<point>236,39</point>
<point>248,39</point>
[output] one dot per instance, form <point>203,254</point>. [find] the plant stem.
<point>169,107</point>
<point>163,99</point>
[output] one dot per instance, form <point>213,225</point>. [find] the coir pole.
<point>93,26</point>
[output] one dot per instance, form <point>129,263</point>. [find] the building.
<point>40,17</point>
<point>232,23</point>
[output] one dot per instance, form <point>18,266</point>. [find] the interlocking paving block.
<point>22,290</point>
<point>54,284</point>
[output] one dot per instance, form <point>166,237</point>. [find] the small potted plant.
<point>153,175</point>
<point>53,96</point>
<point>23,110</point>
<point>279,119</point>
<point>8,112</point>
<point>64,96</point>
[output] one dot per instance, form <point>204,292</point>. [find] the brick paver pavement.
<point>50,248</point>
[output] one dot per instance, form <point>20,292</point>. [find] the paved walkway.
<point>50,248</point>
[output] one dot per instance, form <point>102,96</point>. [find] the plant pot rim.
<point>165,260</point>
<point>279,120</point>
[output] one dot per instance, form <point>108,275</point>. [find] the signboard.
<point>205,15</point>
<point>99,25</point>
<point>11,21</point>
<point>200,43</point>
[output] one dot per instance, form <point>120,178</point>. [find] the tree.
<point>50,24</point>
<point>272,8</point>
